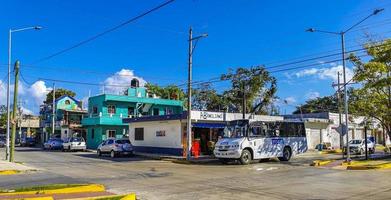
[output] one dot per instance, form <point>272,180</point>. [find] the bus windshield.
<point>235,129</point>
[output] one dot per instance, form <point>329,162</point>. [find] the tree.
<point>258,86</point>
<point>168,92</point>
<point>59,92</point>
<point>206,98</point>
<point>320,104</point>
<point>373,99</point>
<point>3,116</point>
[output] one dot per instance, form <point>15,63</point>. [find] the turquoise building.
<point>106,111</point>
<point>68,112</point>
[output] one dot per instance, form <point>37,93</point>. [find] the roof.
<point>63,96</point>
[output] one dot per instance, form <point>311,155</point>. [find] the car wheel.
<point>286,154</point>
<point>112,154</point>
<point>245,158</point>
<point>98,152</point>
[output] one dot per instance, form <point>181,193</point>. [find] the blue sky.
<point>241,33</point>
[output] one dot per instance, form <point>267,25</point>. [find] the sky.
<point>154,48</point>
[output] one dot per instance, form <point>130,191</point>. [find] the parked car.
<point>357,146</point>
<point>74,143</point>
<point>27,142</point>
<point>115,147</point>
<point>54,143</point>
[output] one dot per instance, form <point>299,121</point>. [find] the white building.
<point>331,133</point>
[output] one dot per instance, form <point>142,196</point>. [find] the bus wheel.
<point>245,159</point>
<point>286,154</point>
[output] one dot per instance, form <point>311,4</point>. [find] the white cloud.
<point>117,83</point>
<point>325,73</point>
<point>312,95</point>
<point>26,111</point>
<point>38,92</point>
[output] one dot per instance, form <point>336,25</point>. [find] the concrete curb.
<point>68,190</point>
<point>369,167</point>
<point>317,163</point>
<point>9,172</point>
<point>131,196</point>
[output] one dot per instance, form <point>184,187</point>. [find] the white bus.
<point>246,140</point>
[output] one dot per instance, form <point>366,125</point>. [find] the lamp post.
<point>342,35</point>
<point>7,151</point>
<point>190,63</point>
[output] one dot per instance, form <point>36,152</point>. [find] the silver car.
<point>115,147</point>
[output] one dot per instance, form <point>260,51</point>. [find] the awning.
<point>208,125</point>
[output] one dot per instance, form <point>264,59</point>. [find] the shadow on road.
<point>117,159</point>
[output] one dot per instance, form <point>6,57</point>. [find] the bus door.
<point>256,140</point>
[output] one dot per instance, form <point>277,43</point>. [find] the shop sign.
<point>160,133</point>
<point>211,116</point>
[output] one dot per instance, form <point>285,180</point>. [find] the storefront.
<point>166,134</point>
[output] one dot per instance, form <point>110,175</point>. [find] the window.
<point>130,111</point>
<point>92,133</point>
<point>139,134</point>
<point>67,102</point>
<point>110,141</point>
<point>111,109</point>
<point>156,111</point>
<point>169,111</point>
<point>257,131</point>
<point>111,133</point>
<point>94,110</point>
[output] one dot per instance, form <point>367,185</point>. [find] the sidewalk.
<point>5,165</point>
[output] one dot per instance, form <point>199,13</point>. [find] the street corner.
<point>12,168</point>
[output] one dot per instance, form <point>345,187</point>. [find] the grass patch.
<point>42,187</point>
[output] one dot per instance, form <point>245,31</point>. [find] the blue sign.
<point>277,141</point>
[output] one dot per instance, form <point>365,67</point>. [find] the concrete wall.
<point>172,138</point>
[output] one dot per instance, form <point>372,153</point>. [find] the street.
<point>155,179</point>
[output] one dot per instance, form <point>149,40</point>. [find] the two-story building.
<point>106,111</point>
<point>68,114</point>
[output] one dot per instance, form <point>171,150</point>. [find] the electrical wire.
<point>105,32</point>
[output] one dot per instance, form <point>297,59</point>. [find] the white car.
<point>74,143</point>
<point>357,146</point>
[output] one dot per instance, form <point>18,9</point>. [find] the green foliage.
<point>206,98</point>
<point>320,104</point>
<point>256,84</point>
<point>59,92</point>
<point>168,92</point>
<point>3,116</point>
<point>373,99</point>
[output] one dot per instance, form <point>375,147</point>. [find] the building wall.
<point>170,143</point>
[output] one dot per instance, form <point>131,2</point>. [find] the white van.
<point>245,141</point>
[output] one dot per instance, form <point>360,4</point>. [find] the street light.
<point>342,35</point>
<point>9,81</point>
<point>191,50</point>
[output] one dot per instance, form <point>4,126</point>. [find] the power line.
<point>105,32</point>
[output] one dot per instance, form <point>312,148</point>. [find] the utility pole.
<point>345,97</point>
<point>244,100</point>
<point>190,63</point>
<point>53,108</point>
<point>189,80</point>
<point>15,107</point>
<point>340,112</point>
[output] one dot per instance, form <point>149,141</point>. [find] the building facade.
<point>106,111</point>
<point>167,134</point>
<point>68,114</point>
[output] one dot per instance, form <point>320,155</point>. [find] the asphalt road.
<point>153,179</point>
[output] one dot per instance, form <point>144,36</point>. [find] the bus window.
<point>257,131</point>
